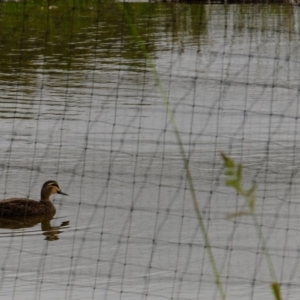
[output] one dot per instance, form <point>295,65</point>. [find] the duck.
<point>23,207</point>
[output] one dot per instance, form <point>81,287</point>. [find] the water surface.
<point>80,104</point>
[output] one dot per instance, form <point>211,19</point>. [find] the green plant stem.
<point>275,286</point>
<point>265,248</point>
<point>182,152</point>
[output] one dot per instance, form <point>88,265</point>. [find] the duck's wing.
<point>19,207</point>
<point>17,201</point>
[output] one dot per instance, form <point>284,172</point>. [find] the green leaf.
<point>234,183</point>
<point>239,172</point>
<point>229,172</point>
<point>238,214</point>
<point>229,162</point>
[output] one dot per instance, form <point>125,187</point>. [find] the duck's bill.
<point>60,192</point>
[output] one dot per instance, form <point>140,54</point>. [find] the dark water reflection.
<point>80,104</point>
<point>39,41</point>
<point>50,232</point>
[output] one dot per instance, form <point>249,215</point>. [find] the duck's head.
<point>49,188</point>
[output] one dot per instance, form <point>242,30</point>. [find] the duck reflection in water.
<point>50,232</point>
<point>16,213</point>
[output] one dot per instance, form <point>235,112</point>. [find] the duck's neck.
<point>45,198</point>
<point>48,203</point>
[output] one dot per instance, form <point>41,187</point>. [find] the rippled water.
<point>80,104</point>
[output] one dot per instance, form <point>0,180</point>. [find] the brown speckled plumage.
<point>16,207</point>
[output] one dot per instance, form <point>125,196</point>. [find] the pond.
<point>88,95</point>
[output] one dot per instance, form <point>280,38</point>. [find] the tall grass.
<point>232,170</point>
<point>185,160</point>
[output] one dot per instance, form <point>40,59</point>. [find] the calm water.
<point>80,104</point>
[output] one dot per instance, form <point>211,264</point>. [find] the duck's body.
<point>23,206</point>
<point>16,207</point>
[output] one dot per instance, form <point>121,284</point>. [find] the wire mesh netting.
<point>82,104</point>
